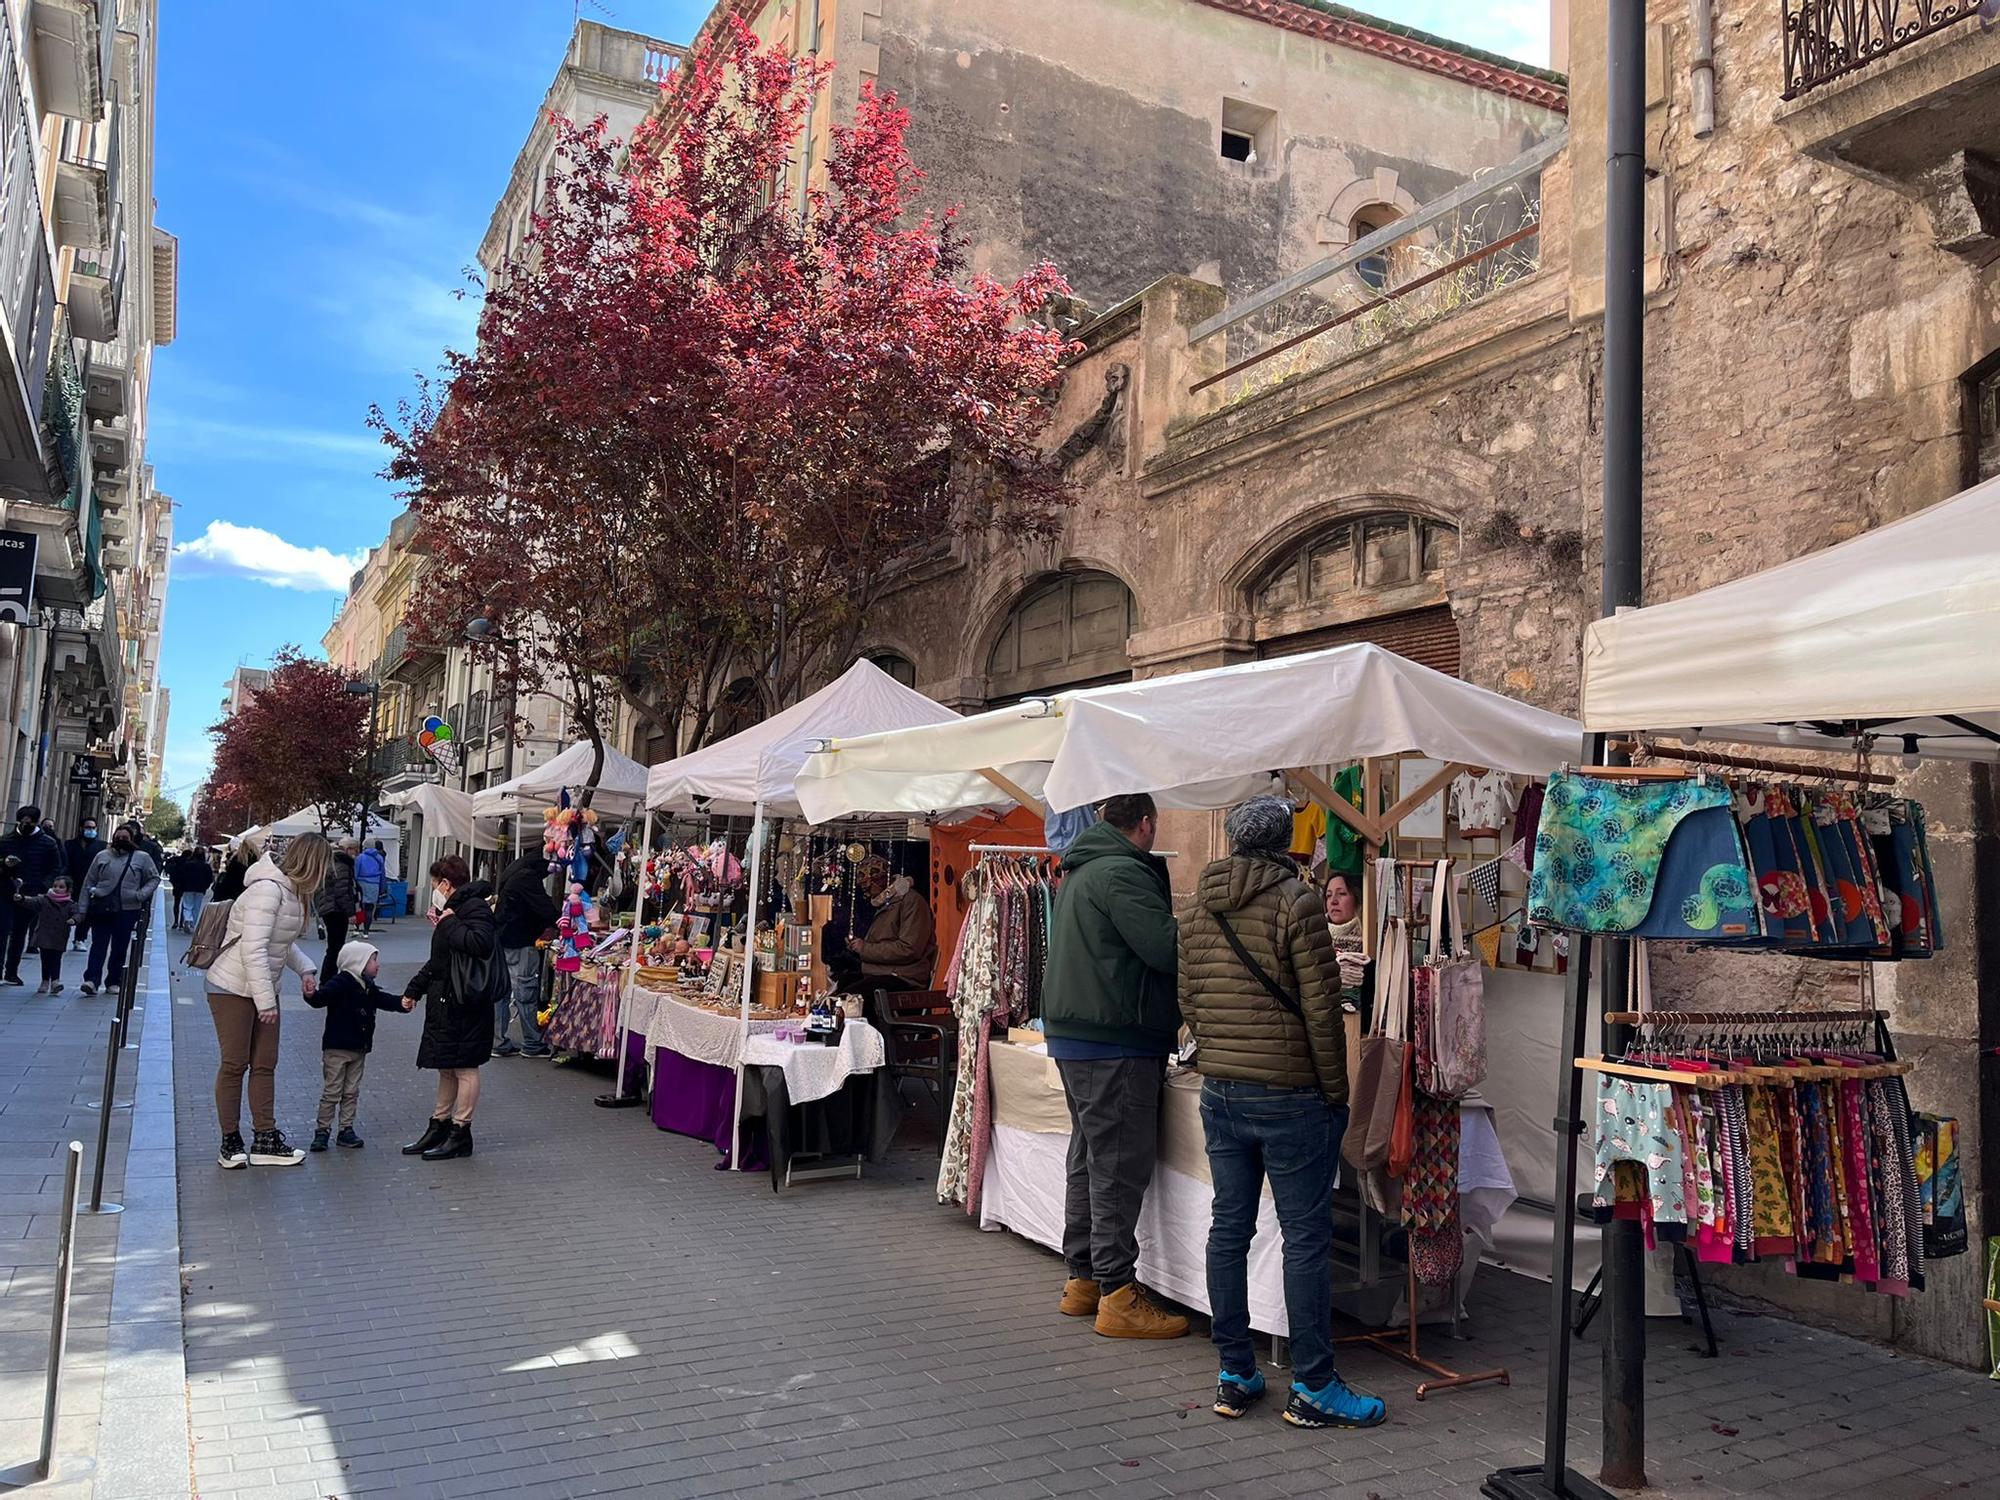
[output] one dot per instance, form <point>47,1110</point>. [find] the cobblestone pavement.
<point>585,1308</point>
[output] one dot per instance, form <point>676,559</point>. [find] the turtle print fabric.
<point>1653,859</point>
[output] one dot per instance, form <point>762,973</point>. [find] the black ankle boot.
<point>434,1132</point>
<point>457,1142</point>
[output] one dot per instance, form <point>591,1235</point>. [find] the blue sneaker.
<point>1236,1394</point>
<point>1334,1406</point>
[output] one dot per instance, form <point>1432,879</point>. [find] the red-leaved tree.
<point>705,428</point>
<point>300,742</point>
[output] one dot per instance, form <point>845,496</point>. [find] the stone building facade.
<point>1821,338</point>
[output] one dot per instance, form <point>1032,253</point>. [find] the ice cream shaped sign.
<point>435,739</point>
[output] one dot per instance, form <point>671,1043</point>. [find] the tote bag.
<point>1380,1080</point>
<point>1451,1047</point>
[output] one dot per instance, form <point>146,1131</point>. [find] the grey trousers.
<point>342,1091</point>
<point>1114,1112</point>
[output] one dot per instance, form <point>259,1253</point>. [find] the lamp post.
<point>372,691</point>
<point>482,631</point>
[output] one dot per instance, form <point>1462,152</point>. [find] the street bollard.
<point>128,985</point>
<point>97,1203</point>
<point>40,1469</point>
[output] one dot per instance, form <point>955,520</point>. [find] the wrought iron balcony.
<point>1827,39</point>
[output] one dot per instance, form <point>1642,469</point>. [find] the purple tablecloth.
<point>699,1099</point>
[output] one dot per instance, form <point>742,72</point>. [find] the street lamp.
<point>372,691</point>
<point>482,630</point>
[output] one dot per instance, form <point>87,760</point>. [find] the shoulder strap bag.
<point>1276,990</point>
<point>1451,1035</point>
<point>1379,1079</point>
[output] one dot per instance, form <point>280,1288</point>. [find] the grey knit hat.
<point>1263,825</point>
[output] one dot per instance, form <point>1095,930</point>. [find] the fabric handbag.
<point>477,981</point>
<point>1451,1047</point>
<point>1654,859</point>
<point>1379,1078</point>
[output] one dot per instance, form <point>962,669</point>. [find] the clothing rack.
<point>1743,1017</point>
<point>1728,761</point>
<point>1045,849</point>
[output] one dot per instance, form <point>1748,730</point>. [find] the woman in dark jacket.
<point>458,1026</point>
<point>229,884</point>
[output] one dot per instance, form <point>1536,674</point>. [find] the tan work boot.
<point>1079,1298</point>
<point>1127,1314</point>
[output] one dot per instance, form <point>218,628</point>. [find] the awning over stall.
<point>1194,739</point>
<point>759,764</point>
<point>619,788</point>
<point>1896,632</point>
<point>447,813</point>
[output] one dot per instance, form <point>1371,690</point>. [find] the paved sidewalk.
<point>586,1308</point>
<point>122,1423</point>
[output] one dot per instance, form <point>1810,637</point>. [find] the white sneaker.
<point>269,1148</point>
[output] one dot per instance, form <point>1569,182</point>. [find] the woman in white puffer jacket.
<point>262,942</point>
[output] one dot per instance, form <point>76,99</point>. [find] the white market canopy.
<point>619,787</point>
<point>761,763</point>
<point>1896,633</point>
<point>1201,739</point>
<point>307,820</point>
<point>447,813</point>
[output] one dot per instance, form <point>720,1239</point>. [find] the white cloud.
<point>226,549</point>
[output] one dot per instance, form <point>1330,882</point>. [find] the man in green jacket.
<point>1111,1014</point>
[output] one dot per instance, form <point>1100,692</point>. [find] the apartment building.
<point>89,294</point>
<point>605,72</point>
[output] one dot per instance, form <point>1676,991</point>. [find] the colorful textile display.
<point>1819,872</point>
<point>1819,1173</point>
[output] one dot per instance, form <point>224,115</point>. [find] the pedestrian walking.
<point>236,869</point>
<point>460,984</point>
<point>50,917</point>
<point>116,893</point>
<point>40,861</point>
<point>1260,990</point>
<point>147,842</point>
<point>1109,1012</point>
<point>350,998</point>
<point>77,856</point>
<point>265,925</point>
<point>188,878</point>
<point>371,878</point>
<point>335,905</point>
<point>524,911</point>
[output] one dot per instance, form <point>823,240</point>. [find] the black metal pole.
<point>111,1045</point>
<point>1624,1396</point>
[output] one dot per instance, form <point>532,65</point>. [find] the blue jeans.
<point>1292,1136</point>
<point>110,931</point>
<point>524,966</point>
<point>191,903</point>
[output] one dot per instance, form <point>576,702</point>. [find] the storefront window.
<point>1068,632</point>
<point>897,666</point>
<point>1388,550</point>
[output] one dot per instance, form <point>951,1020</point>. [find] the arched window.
<point>896,665</point>
<point>1373,269</point>
<point>1068,632</point>
<point>1375,577</point>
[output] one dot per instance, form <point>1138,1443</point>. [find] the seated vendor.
<point>899,949</point>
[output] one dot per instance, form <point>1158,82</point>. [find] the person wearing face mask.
<point>460,984</point>
<point>77,855</point>
<point>41,861</point>
<point>899,949</point>
<point>117,890</point>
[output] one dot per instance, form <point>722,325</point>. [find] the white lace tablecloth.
<point>812,1071</point>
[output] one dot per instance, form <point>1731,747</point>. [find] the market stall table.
<point>811,1097</point>
<point>1026,1171</point>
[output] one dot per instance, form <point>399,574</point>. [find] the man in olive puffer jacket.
<point>1271,1045</point>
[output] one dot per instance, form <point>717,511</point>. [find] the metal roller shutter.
<point>1426,636</point>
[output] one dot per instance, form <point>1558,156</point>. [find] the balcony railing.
<point>63,426</point>
<point>1476,240</point>
<point>1828,39</point>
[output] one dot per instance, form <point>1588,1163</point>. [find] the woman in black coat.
<point>458,985</point>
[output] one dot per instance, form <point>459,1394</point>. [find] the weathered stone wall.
<point>1087,134</point>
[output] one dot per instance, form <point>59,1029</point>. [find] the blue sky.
<point>329,170</point>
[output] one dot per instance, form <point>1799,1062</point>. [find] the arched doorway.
<point>1377,576</point>
<point>1070,631</point>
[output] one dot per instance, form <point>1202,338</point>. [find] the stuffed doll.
<point>574,929</point>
